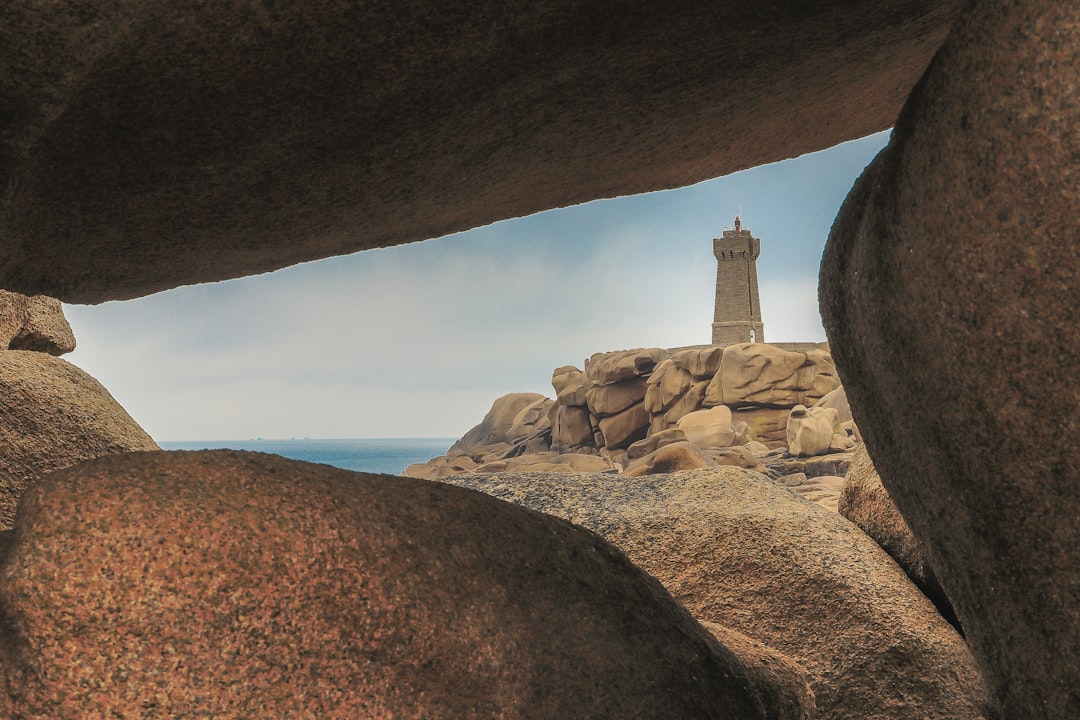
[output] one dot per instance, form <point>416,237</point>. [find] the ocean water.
<point>375,455</point>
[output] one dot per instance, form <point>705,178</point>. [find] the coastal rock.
<point>739,551</point>
<point>612,367</point>
<point>34,323</point>
<point>684,405</point>
<point>708,428</point>
<point>670,458</point>
<point>548,462</point>
<point>667,384</point>
<point>865,502</point>
<point>949,290</point>
<point>810,431</point>
<point>831,464</point>
<point>701,363</point>
<point>757,374</point>
<point>570,385</point>
<point>736,456</point>
<point>53,415</point>
<point>572,429</point>
<point>824,490</point>
<point>530,420</point>
<point>497,422</point>
<point>837,400</point>
<point>225,584</point>
<point>654,442</point>
<point>613,398</point>
<point>440,466</point>
<point>767,425</point>
<point>620,431</point>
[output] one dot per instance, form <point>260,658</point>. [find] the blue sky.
<point>418,340</point>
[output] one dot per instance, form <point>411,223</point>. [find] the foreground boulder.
<point>739,551</point>
<point>949,291</point>
<point>225,584</point>
<point>53,415</point>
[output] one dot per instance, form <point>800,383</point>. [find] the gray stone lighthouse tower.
<point>737,317</point>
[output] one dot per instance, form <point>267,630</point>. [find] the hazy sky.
<point>418,340</point>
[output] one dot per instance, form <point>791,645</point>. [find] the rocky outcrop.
<point>496,425</point>
<point>761,375</point>
<point>627,404</point>
<point>231,584</point>
<point>616,394</point>
<point>34,323</point>
<point>951,303</point>
<point>52,416</point>
<point>157,143</point>
<point>864,501</point>
<point>741,552</point>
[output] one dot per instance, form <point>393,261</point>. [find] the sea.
<point>375,455</point>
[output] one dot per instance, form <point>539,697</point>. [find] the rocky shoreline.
<point>650,410</point>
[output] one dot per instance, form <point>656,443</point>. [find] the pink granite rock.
<point>53,415</point>
<point>950,295</point>
<point>146,144</point>
<point>739,551</point>
<point>224,584</point>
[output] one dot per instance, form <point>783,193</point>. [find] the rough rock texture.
<point>146,144</point>
<point>613,398</point>
<point>824,490</point>
<point>654,442</point>
<point>53,415</point>
<point>770,672</point>
<point>949,292</point>
<point>702,363</point>
<point>739,551</point>
<point>837,400</point>
<point>224,584</point>
<point>864,501</point>
<point>545,462</point>
<point>34,323</point>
